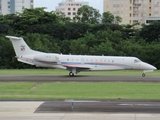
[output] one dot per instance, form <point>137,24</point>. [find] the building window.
<point>69,8</point>
<point>150,14</point>
<point>74,13</point>
<point>74,9</point>
<point>69,13</point>
<point>130,1</point>
<point>135,21</point>
<point>22,7</point>
<point>8,6</point>
<point>155,15</point>
<point>31,1</point>
<point>130,21</point>
<point>8,2</point>
<point>150,0</point>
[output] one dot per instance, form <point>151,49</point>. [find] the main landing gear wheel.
<point>143,74</point>
<point>71,74</point>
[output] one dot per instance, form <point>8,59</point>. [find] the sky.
<point>51,4</point>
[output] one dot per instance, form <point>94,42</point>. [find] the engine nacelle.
<point>46,57</point>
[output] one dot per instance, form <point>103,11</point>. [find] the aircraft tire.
<point>143,74</point>
<point>71,74</point>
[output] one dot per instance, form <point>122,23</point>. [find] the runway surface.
<point>43,78</point>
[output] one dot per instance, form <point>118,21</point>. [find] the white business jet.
<point>76,63</point>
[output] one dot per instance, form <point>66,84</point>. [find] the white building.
<point>152,19</point>
<point>12,6</point>
<point>133,11</point>
<point>70,7</point>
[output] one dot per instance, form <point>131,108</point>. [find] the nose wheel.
<point>143,74</point>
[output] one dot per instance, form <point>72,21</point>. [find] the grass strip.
<point>103,91</point>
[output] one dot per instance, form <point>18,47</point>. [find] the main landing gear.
<point>71,74</point>
<point>73,71</point>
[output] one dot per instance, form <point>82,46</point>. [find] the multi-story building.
<point>133,11</point>
<point>70,7</point>
<point>12,6</point>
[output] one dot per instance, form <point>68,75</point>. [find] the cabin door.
<point>82,60</point>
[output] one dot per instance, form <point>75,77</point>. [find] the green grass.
<point>52,91</point>
<point>65,72</point>
<point>75,90</point>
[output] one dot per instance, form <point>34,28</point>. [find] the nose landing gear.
<point>143,74</point>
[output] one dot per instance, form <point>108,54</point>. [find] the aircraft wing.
<point>82,67</point>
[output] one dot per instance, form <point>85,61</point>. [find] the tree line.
<point>89,33</point>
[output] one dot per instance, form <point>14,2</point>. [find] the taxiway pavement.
<point>61,110</point>
<point>95,106</point>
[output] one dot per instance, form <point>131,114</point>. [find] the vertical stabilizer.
<point>20,46</point>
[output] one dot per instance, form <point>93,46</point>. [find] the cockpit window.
<point>137,61</point>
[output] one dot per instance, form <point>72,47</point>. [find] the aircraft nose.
<point>149,67</point>
<point>154,68</point>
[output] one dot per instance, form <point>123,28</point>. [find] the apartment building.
<point>70,7</point>
<point>12,6</point>
<point>133,11</point>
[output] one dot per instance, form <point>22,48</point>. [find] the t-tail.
<point>23,52</point>
<point>20,46</point>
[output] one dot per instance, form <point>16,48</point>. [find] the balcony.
<point>135,11</point>
<point>136,4</point>
<point>136,18</point>
<point>156,5</point>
